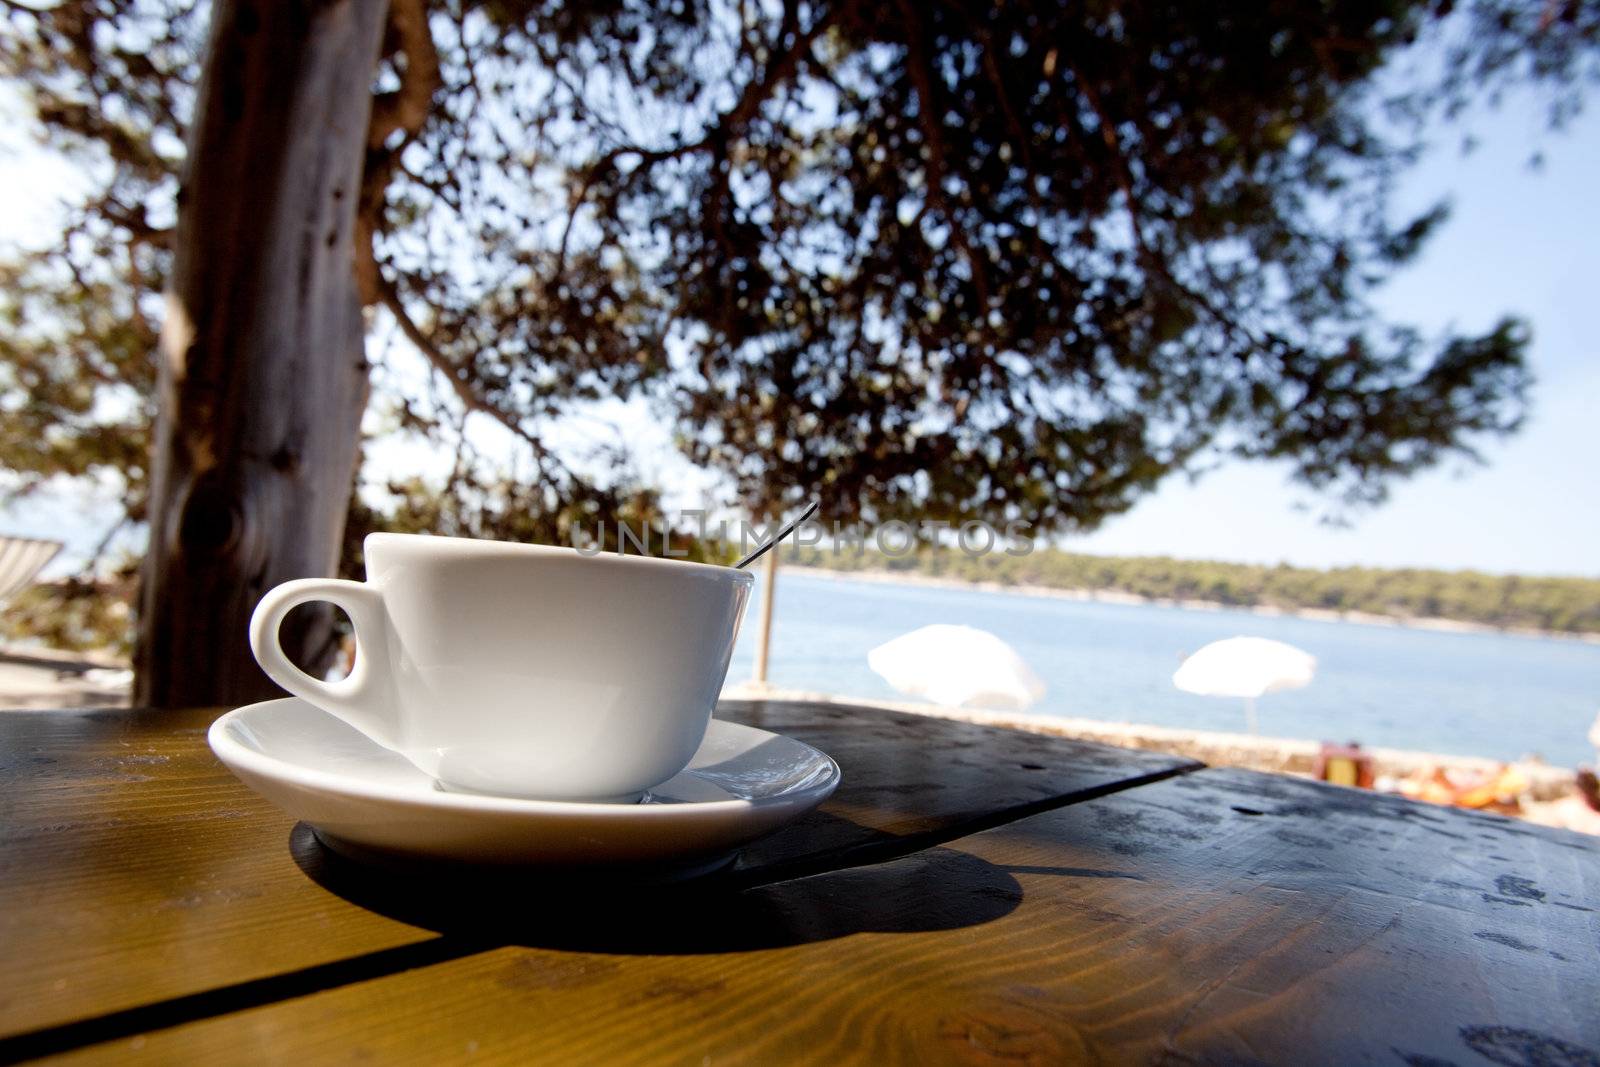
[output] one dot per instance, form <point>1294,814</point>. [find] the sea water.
<point>1482,694</point>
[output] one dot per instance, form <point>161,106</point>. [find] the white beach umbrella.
<point>957,666</point>
<point>1247,667</point>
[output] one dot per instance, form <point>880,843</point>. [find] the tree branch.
<point>471,400</point>
<point>405,110</point>
<point>1148,257</point>
<point>407,107</point>
<point>727,127</point>
<point>1118,159</point>
<point>927,118</point>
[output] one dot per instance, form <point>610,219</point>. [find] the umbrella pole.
<point>769,590</point>
<point>1250,714</point>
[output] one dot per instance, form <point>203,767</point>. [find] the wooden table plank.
<point>134,866</point>
<point>1219,917</point>
<point>909,783</point>
<point>135,869</point>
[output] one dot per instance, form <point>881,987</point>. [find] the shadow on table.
<point>936,889</point>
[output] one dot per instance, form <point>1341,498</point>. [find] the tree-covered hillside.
<point>1561,605</point>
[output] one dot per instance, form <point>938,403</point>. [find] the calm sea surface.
<point>1475,694</point>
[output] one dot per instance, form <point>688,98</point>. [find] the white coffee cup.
<point>523,670</point>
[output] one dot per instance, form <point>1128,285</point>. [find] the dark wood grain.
<point>134,869</point>
<point>1220,917</point>
<point>909,780</point>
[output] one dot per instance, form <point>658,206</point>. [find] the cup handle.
<point>361,699</point>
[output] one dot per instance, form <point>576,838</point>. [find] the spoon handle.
<point>771,542</point>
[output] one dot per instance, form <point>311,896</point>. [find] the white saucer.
<point>363,799</point>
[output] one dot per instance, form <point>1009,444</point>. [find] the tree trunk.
<point>263,374</point>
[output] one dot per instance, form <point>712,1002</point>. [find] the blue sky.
<point>1520,240</point>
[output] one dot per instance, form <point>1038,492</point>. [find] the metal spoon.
<point>771,542</point>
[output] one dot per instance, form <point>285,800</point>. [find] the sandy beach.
<point>1550,797</point>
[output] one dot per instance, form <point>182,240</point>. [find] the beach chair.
<point>21,560</point>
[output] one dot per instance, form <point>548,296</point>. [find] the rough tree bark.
<point>262,370</point>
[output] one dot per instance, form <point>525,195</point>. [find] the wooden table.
<point>970,895</point>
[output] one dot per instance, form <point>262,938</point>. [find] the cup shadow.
<point>938,889</point>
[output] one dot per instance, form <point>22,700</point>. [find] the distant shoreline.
<point>1217,748</point>
<point>1113,596</point>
